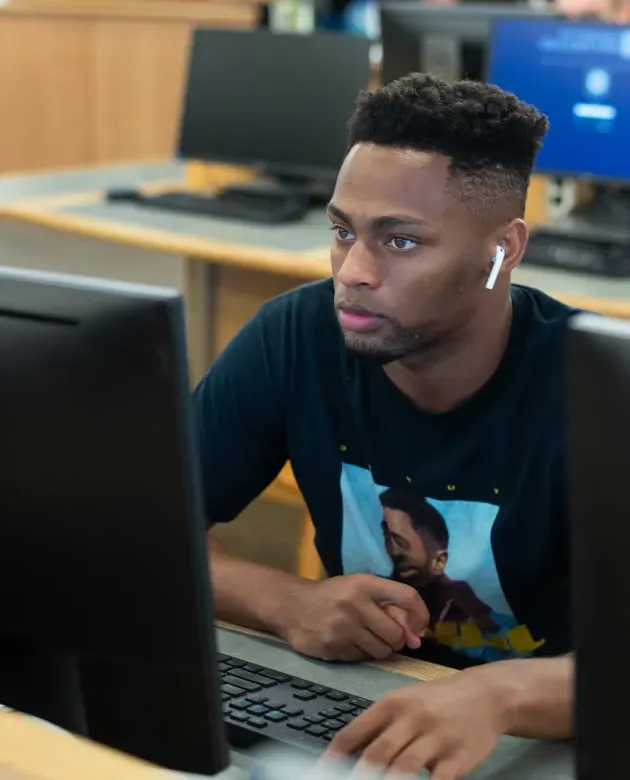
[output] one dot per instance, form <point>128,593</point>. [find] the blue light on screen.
<point>578,74</point>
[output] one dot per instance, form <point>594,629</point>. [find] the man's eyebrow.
<point>334,211</point>
<point>378,223</point>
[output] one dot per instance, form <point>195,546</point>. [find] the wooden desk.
<point>30,751</point>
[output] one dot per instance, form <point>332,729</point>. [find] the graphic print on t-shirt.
<point>441,548</point>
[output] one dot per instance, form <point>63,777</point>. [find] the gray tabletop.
<point>310,235</point>
<point>513,759</point>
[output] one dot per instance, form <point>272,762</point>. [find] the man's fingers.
<point>449,769</point>
<point>351,653</point>
<point>400,616</point>
<point>359,733</point>
<point>384,591</point>
<point>382,752</point>
<point>423,753</point>
<point>373,646</point>
<point>385,626</point>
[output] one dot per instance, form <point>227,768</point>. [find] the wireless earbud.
<point>496,267</point>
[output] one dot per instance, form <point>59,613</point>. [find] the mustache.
<point>402,563</point>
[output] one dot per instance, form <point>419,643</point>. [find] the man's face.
<point>409,260</point>
<point>415,562</point>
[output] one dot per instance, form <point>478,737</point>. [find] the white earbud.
<point>496,267</point>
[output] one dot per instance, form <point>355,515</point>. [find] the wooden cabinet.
<point>94,81</point>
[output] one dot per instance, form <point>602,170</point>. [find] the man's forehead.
<point>379,181</point>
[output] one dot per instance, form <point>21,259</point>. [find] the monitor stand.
<point>593,238</point>
<point>317,190</point>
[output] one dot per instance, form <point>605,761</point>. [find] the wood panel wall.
<point>95,81</point>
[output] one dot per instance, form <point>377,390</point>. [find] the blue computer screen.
<point>578,74</point>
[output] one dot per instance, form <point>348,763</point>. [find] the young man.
<point>404,369</point>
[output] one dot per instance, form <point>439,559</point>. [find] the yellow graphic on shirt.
<point>516,641</point>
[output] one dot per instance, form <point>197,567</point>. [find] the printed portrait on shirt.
<point>416,539</point>
<point>442,549</point>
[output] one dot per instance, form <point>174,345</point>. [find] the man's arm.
<point>537,694</point>
<point>452,724</point>
<point>249,594</point>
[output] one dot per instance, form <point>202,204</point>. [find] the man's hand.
<point>447,726</point>
<point>353,618</point>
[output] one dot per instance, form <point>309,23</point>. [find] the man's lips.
<point>357,319</point>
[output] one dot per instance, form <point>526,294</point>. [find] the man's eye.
<point>402,244</point>
<point>341,233</point>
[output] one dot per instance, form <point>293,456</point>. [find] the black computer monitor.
<point>106,626</point>
<point>279,102</point>
<point>578,74</point>
<point>449,41</point>
<point>599,447</point>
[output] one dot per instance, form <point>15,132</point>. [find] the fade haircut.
<point>491,137</point>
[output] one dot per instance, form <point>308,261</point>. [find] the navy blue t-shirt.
<point>488,480</point>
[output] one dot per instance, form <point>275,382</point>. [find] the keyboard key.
<point>299,724</point>
<point>276,716</point>
<point>346,718</point>
<point>275,705</point>
<point>301,685</point>
<point>221,657</point>
<point>346,708</point>
<point>336,696</point>
<point>304,695</point>
<point>239,717</point>
<point>316,731</point>
<point>237,662</point>
<point>333,724</point>
<point>362,704</point>
<point>257,679</point>
<point>257,723</point>
<point>224,667</point>
<point>257,698</point>
<point>233,690</point>
<point>225,697</point>
<point>258,709</point>
<point>239,682</point>
<point>241,704</point>
<point>319,689</point>
<point>252,668</point>
<point>329,713</point>
<point>278,676</point>
<point>314,718</point>
<point>292,712</point>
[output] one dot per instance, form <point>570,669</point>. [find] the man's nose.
<point>359,268</point>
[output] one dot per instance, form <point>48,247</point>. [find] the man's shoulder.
<point>541,319</point>
<point>543,309</point>
<point>300,325</point>
<point>310,301</point>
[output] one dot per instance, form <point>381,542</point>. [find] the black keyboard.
<point>262,704</point>
<point>248,207</point>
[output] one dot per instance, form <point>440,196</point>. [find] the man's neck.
<point>449,381</point>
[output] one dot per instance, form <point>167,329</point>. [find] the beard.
<point>419,580</point>
<point>424,345</point>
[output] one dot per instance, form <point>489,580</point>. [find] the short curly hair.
<point>491,137</point>
<point>425,518</point>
